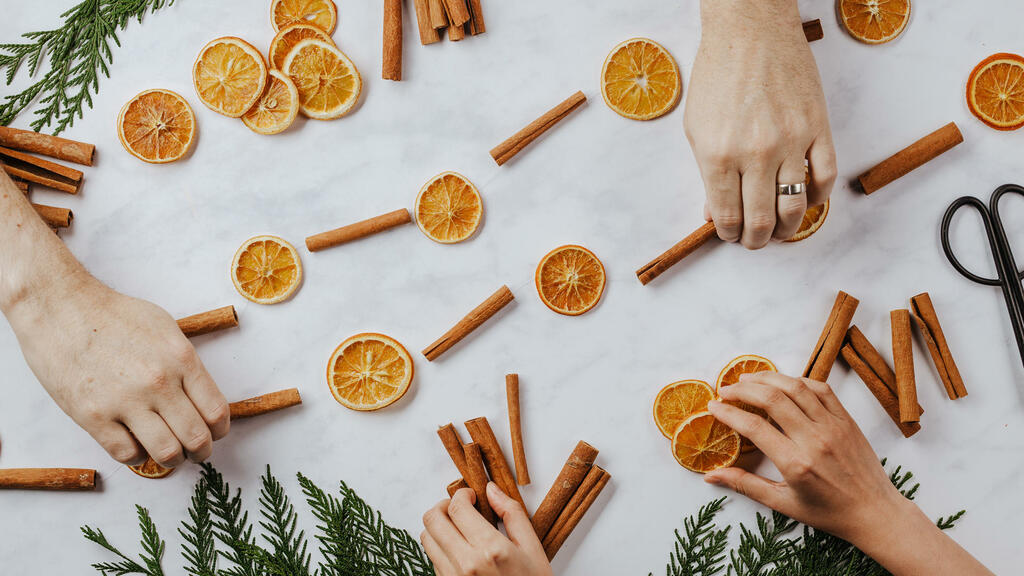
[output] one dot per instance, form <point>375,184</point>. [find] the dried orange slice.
<point>320,13</point>
<point>640,80</point>
<point>288,37</point>
<point>369,371</point>
<point>156,126</point>
<point>266,270</point>
<point>448,208</point>
<point>329,83</point>
<point>874,21</point>
<point>995,91</point>
<point>150,469</point>
<point>814,217</point>
<point>277,107</point>
<point>746,364</point>
<point>703,444</point>
<point>570,280</point>
<point>678,401</point>
<point>229,76</point>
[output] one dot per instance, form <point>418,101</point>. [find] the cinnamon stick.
<point>457,12</point>
<point>813,30</point>
<point>885,396</point>
<point>506,150</point>
<point>43,165</point>
<point>481,433</point>
<point>827,349</point>
<point>455,486</point>
<point>438,18</point>
<point>52,146</point>
<point>515,427</point>
<point>928,322</point>
<point>210,321</point>
<point>903,363</point>
<point>358,230</point>
<point>470,322</point>
<point>21,185</point>
<point>566,483</point>
<point>53,216</point>
<point>676,253</point>
<point>874,360</point>
<point>456,33</point>
<point>428,35</point>
<point>63,479</point>
<point>476,22</point>
<point>265,404</point>
<point>391,66</point>
<point>574,511</point>
<point>31,173</point>
<point>911,157</point>
<point>477,480</point>
<point>453,445</point>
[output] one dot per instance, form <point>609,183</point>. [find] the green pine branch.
<point>280,523</point>
<point>152,550</point>
<point>701,550</point>
<point>230,525</point>
<point>78,51</point>
<point>199,549</point>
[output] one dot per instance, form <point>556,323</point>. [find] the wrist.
<point>892,521</point>
<point>747,16</point>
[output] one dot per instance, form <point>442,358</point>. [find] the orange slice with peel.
<point>814,217</point>
<point>266,270</point>
<point>449,208</point>
<point>640,80</point>
<point>874,21</point>
<point>288,37</point>
<point>328,82</point>
<point>678,401</point>
<point>320,13</point>
<point>702,444</point>
<point>995,91</point>
<point>746,364</point>
<point>156,126</point>
<point>276,109</point>
<point>570,280</point>
<point>369,371</point>
<point>150,469</point>
<point>229,76</point>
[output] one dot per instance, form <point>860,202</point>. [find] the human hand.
<point>460,542</point>
<point>122,370</point>
<point>755,111</point>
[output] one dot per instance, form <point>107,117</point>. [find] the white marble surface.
<point>625,189</point>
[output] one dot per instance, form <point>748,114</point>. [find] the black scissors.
<point>1008,277</point>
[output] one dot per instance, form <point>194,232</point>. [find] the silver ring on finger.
<point>791,189</point>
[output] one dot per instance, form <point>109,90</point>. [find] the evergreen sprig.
<point>77,51</point>
<point>152,550</point>
<point>701,550</point>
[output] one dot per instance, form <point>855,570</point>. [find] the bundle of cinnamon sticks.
<point>459,17</point>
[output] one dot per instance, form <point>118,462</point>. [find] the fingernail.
<point>744,376</point>
<point>714,405</point>
<point>492,490</point>
<point>712,479</point>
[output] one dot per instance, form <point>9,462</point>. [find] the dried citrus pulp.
<point>156,126</point>
<point>640,80</point>
<point>150,469</point>
<point>448,208</point>
<point>703,444</point>
<point>746,364</point>
<point>678,401</point>
<point>288,37</point>
<point>369,371</point>
<point>266,270</point>
<point>277,107</point>
<point>874,21</point>
<point>995,91</point>
<point>329,83</point>
<point>570,280</point>
<point>814,217</point>
<point>320,13</point>
<point>229,76</point>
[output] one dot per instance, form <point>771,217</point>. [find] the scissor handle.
<point>986,218</point>
<point>997,225</point>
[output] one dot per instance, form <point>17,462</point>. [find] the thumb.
<point>517,523</point>
<point>747,484</point>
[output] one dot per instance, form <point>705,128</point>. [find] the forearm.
<point>724,18</point>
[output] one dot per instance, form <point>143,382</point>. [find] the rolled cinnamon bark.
<point>456,33</point>
<point>574,511</point>
<point>428,35</point>
<point>476,22</point>
<point>211,321</point>
<point>53,216</point>
<point>453,445</point>
<point>914,156</point>
<point>676,253</point>
<point>22,185</point>
<point>515,426</point>
<point>886,397</point>
<point>569,479</point>
<point>265,404</point>
<point>469,323</point>
<point>391,67</point>
<point>456,485</point>
<point>457,12</point>
<point>358,230</point>
<point>61,479</point>
<point>928,322</point>
<point>438,18</point>
<point>39,176</point>
<point>477,480</point>
<point>874,360</point>
<point>504,152</point>
<point>827,349</point>
<point>903,365</point>
<point>52,146</point>
<point>813,31</point>
<point>481,433</point>
<point>43,165</point>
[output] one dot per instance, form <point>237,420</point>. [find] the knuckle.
<point>497,555</point>
<point>199,441</point>
<point>157,381</point>
<point>791,210</point>
<point>457,506</point>
<point>182,352</point>
<point>800,468</point>
<point>220,413</point>
<point>123,453</point>
<point>761,223</point>
<point>168,456</point>
<point>774,396</point>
